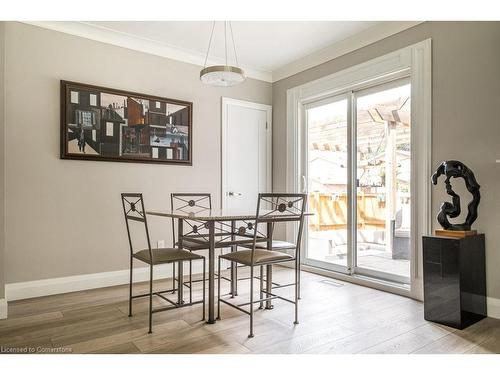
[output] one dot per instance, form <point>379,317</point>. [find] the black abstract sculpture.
<point>455,169</point>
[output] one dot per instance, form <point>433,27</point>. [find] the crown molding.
<point>154,47</point>
<point>357,41</point>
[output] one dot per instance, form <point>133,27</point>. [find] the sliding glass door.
<point>327,183</point>
<point>357,171</point>
<point>383,160</point>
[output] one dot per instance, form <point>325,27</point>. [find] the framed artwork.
<point>99,123</point>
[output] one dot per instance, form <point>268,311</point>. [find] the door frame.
<point>415,61</point>
<point>226,103</point>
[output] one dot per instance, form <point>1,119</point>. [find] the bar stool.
<point>134,211</point>
<point>276,245</point>
<point>195,239</point>
<point>283,208</point>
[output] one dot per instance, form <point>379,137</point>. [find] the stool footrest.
<point>176,306</point>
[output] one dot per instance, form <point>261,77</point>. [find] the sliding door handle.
<point>234,194</point>
<point>304,184</point>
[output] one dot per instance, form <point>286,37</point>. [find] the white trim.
<point>421,163</point>
<point>134,42</point>
<point>226,102</point>
<point>493,307</point>
<point>415,61</point>
<point>3,308</point>
<point>47,287</point>
<point>357,41</point>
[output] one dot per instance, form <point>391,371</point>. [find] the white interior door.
<point>246,153</point>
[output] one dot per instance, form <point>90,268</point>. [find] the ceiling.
<point>261,45</point>
<point>264,48</point>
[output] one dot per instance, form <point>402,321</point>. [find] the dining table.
<point>224,228</point>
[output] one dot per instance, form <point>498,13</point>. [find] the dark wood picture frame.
<point>104,124</point>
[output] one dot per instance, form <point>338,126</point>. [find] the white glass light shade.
<point>222,75</point>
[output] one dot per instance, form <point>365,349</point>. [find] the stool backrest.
<point>280,207</point>
<point>189,202</point>
<point>134,211</point>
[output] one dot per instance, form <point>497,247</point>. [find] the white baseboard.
<point>3,308</point>
<point>47,287</point>
<point>493,307</point>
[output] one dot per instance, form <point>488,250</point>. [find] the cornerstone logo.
<point>32,350</point>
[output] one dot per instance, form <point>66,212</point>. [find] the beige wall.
<point>2,159</point>
<point>465,103</point>
<point>64,217</point>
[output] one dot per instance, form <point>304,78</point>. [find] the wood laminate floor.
<point>335,317</point>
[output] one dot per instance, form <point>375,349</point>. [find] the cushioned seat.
<point>282,245</point>
<point>202,244</point>
<point>193,245</point>
<point>166,255</point>
<point>260,256</point>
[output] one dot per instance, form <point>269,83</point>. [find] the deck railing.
<point>331,211</point>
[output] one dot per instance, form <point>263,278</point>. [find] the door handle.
<point>234,194</point>
<point>304,184</point>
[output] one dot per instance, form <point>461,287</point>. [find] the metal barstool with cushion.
<point>277,245</point>
<point>191,203</point>
<point>188,202</point>
<point>133,209</point>
<point>281,208</point>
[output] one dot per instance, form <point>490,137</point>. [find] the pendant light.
<point>222,75</point>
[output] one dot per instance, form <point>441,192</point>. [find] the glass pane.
<point>383,186</point>
<point>327,182</point>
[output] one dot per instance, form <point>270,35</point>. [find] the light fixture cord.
<point>225,40</point>
<point>209,44</point>
<point>234,45</point>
